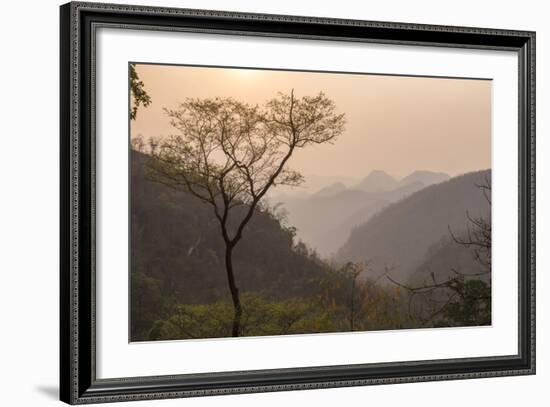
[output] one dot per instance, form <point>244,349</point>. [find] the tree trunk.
<point>234,291</point>
<point>352,308</point>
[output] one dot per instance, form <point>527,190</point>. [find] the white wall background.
<point>29,162</point>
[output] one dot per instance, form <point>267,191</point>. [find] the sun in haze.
<point>244,74</point>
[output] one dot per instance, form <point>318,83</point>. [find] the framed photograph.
<point>255,203</point>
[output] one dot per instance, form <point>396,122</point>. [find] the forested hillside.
<point>177,254</point>
<point>399,236</point>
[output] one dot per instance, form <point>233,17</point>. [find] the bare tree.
<point>478,233</point>
<point>228,154</point>
<point>353,271</point>
<point>469,297</point>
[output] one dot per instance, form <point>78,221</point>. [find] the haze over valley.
<point>343,204</point>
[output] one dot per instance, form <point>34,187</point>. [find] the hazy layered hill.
<point>440,261</point>
<point>317,215</point>
<point>325,218</point>
<point>335,237</point>
<point>377,181</point>
<point>332,189</point>
<point>312,184</point>
<point>401,234</point>
<point>425,177</point>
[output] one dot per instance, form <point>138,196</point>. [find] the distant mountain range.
<point>332,189</point>
<point>425,177</point>
<point>377,181</point>
<point>402,234</point>
<point>380,181</point>
<point>325,218</point>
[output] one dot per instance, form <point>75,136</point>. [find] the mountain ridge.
<point>399,235</point>
<point>341,208</point>
<point>377,181</point>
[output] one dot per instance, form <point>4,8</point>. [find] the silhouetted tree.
<point>353,271</point>
<point>469,296</point>
<point>228,154</point>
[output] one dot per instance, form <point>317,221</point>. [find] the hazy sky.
<point>394,123</point>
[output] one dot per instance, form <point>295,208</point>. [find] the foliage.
<point>470,306</point>
<point>147,302</point>
<point>137,92</point>
<point>260,317</point>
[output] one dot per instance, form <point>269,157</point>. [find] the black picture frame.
<point>78,382</point>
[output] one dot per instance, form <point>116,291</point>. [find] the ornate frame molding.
<point>77,250</point>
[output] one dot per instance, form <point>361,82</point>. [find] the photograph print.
<point>278,202</point>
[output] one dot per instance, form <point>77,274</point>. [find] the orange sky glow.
<point>398,124</point>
